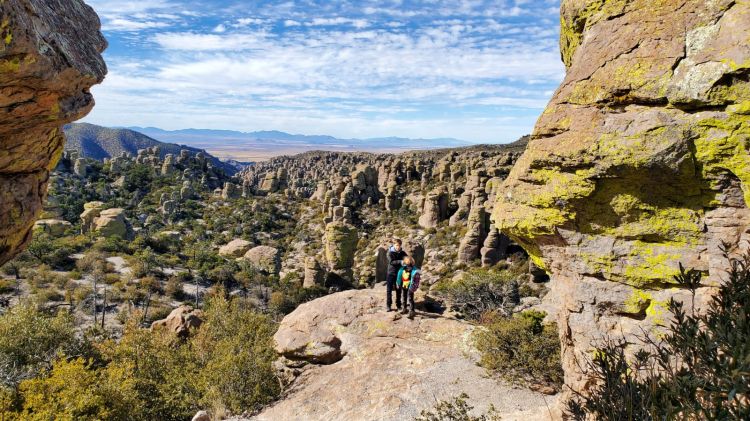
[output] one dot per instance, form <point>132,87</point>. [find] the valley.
<point>598,268</point>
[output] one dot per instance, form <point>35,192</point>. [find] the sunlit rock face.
<point>639,162</point>
<point>50,55</point>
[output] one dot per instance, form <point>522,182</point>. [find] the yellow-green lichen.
<point>637,302</point>
<point>54,112</point>
<point>653,263</point>
<point>723,145</point>
<point>10,66</point>
<point>573,27</point>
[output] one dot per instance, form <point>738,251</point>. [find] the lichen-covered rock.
<point>235,248</point>
<point>264,258</point>
<point>50,55</point>
<point>340,244</point>
<point>113,223</point>
<point>640,162</point>
<point>53,227</point>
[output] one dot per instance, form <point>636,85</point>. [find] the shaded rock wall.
<point>639,162</point>
<point>50,55</point>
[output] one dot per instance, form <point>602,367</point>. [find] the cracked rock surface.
<point>50,55</point>
<point>640,162</point>
<point>351,360</point>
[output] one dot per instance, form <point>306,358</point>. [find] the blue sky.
<point>479,70</point>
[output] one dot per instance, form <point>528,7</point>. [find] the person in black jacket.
<point>395,261</point>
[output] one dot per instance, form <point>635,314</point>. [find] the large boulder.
<point>359,362</point>
<point>639,163</point>
<point>264,258</point>
<point>53,227</point>
<point>235,248</point>
<point>180,321</point>
<point>91,211</point>
<point>113,223</point>
<point>50,55</point>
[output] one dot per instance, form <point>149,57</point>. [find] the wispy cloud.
<point>433,68</point>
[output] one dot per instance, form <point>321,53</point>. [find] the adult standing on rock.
<point>395,260</point>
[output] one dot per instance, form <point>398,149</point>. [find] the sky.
<point>477,70</point>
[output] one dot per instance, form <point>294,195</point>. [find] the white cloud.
<point>119,24</point>
<point>473,69</point>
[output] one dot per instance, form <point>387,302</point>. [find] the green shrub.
<point>699,369</point>
<point>479,291</point>
<point>456,410</point>
<point>521,348</point>
<point>225,365</point>
<point>7,286</point>
<point>30,340</point>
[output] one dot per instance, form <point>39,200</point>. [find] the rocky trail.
<point>347,359</point>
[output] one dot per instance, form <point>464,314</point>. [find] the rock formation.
<point>264,258</point>
<point>340,244</point>
<point>50,55</point>
<point>382,366</point>
<point>180,321</point>
<point>435,208</point>
<point>640,162</point>
<point>235,248</point>
<point>113,223</point>
<point>314,274</point>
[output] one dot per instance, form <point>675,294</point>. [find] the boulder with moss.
<point>640,162</point>
<point>50,55</point>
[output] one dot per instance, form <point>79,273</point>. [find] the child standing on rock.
<point>407,281</point>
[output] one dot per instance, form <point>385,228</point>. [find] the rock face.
<point>50,55</point>
<point>354,361</point>
<point>639,162</point>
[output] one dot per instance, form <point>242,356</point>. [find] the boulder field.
<point>50,55</point>
<point>345,358</point>
<point>639,163</point>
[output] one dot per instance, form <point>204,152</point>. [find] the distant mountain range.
<point>262,145</point>
<point>97,142</point>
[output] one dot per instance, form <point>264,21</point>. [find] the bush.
<point>481,290</point>
<point>173,288</point>
<point>521,348</point>
<point>225,365</point>
<point>699,369</point>
<point>456,410</point>
<point>7,286</point>
<point>30,340</point>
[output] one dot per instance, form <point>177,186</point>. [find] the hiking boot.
<point>412,314</point>
<point>404,311</point>
<point>388,309</point>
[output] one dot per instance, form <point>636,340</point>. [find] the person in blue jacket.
<point>408,281</point>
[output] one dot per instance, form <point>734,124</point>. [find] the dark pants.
<point>390,287</point>
<point>408,298</point>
